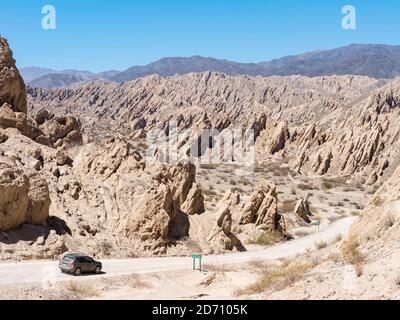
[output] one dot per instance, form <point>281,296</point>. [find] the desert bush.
<point>136,281</point>
<point>305,186</point>
<point>82,290</point>
<point>287,205</point>
<point>335,257</point>
<point>266,238</point>
<point>321,245</point>
<point>208,166</point>
<point>302,233</point>
<point>351,252</point>
<point>276,277</point>
<point>377,201</point>
<point>338,238</point>
<point>326,185</point>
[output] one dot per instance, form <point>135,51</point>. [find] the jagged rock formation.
<point>231,198</point>
<point>358,140</point>
<point>221,237</point>
<point>202,100</point>
<point>337,125</point>
<point>59,131</point>
<point>302,209</point>
<point>262,209</point>
<point>24,198</point>
<point>159,217</point>
<point>379,224</point>
<point>274,137</point>
<point>12,87</point>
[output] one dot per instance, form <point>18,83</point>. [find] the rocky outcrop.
<point>38,199</point>
<point>160,216</point>
<point>187,194</point>
<point>116,154</point>
<point>262,209</point>
<point>302,209</point>
<point>231,198</point>
<point>14,186</point>
<point>273,139</point>
<point>12,87</point>
<point>60,131</point>
<point>379,225</point>
<point>221,237</point>
<point>24,198</point>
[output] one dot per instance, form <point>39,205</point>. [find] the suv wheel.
<point>98,269</point>
<point>77,272</point>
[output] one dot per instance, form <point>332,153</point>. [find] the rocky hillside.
<point>61,193</point>
<point>338,125</point>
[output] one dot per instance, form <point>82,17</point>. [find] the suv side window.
<point>80,259</point>
<point>89,260</point>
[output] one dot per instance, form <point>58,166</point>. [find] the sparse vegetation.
<point>287,205</point>
<point>277,277</point>
<point>335,257</point>
<point>321,245</point>
<point>305,186</point>
<point>135,281</point>
<point>338,238</point>
<point>377,201</point>
<point>82,290</point>
<point>266,238</point>
<point>351,252</point>
<point>208,166</point>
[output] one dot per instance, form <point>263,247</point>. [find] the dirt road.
<point>47,271</point>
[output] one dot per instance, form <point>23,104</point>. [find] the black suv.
<point>77,264</point>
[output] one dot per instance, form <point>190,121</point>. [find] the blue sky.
<point>100,35</point>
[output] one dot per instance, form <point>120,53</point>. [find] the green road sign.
<point>197,257</point>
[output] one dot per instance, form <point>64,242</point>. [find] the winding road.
<point>48,272</point>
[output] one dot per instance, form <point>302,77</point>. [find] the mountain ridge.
<point>373,60</point>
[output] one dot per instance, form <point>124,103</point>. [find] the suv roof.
<point>75,255</point>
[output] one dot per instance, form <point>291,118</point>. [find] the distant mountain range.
<point>375,61</point>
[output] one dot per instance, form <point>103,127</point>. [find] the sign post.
<point>197,257</point>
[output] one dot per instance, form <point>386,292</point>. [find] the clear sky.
<point>100,35</point>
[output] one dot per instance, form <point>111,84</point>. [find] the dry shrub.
<point>337,239</point>
<point>305,186</point>
<point>208,166</point>
<point>82,290</point>
<point>287,205</point>
<point>351,252</point>
<point>266,238</point>
<point>335,257</point>
<point>377,201</point>
<point>135,281</point>
<point>321,245</point>
<point>277,277</point>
